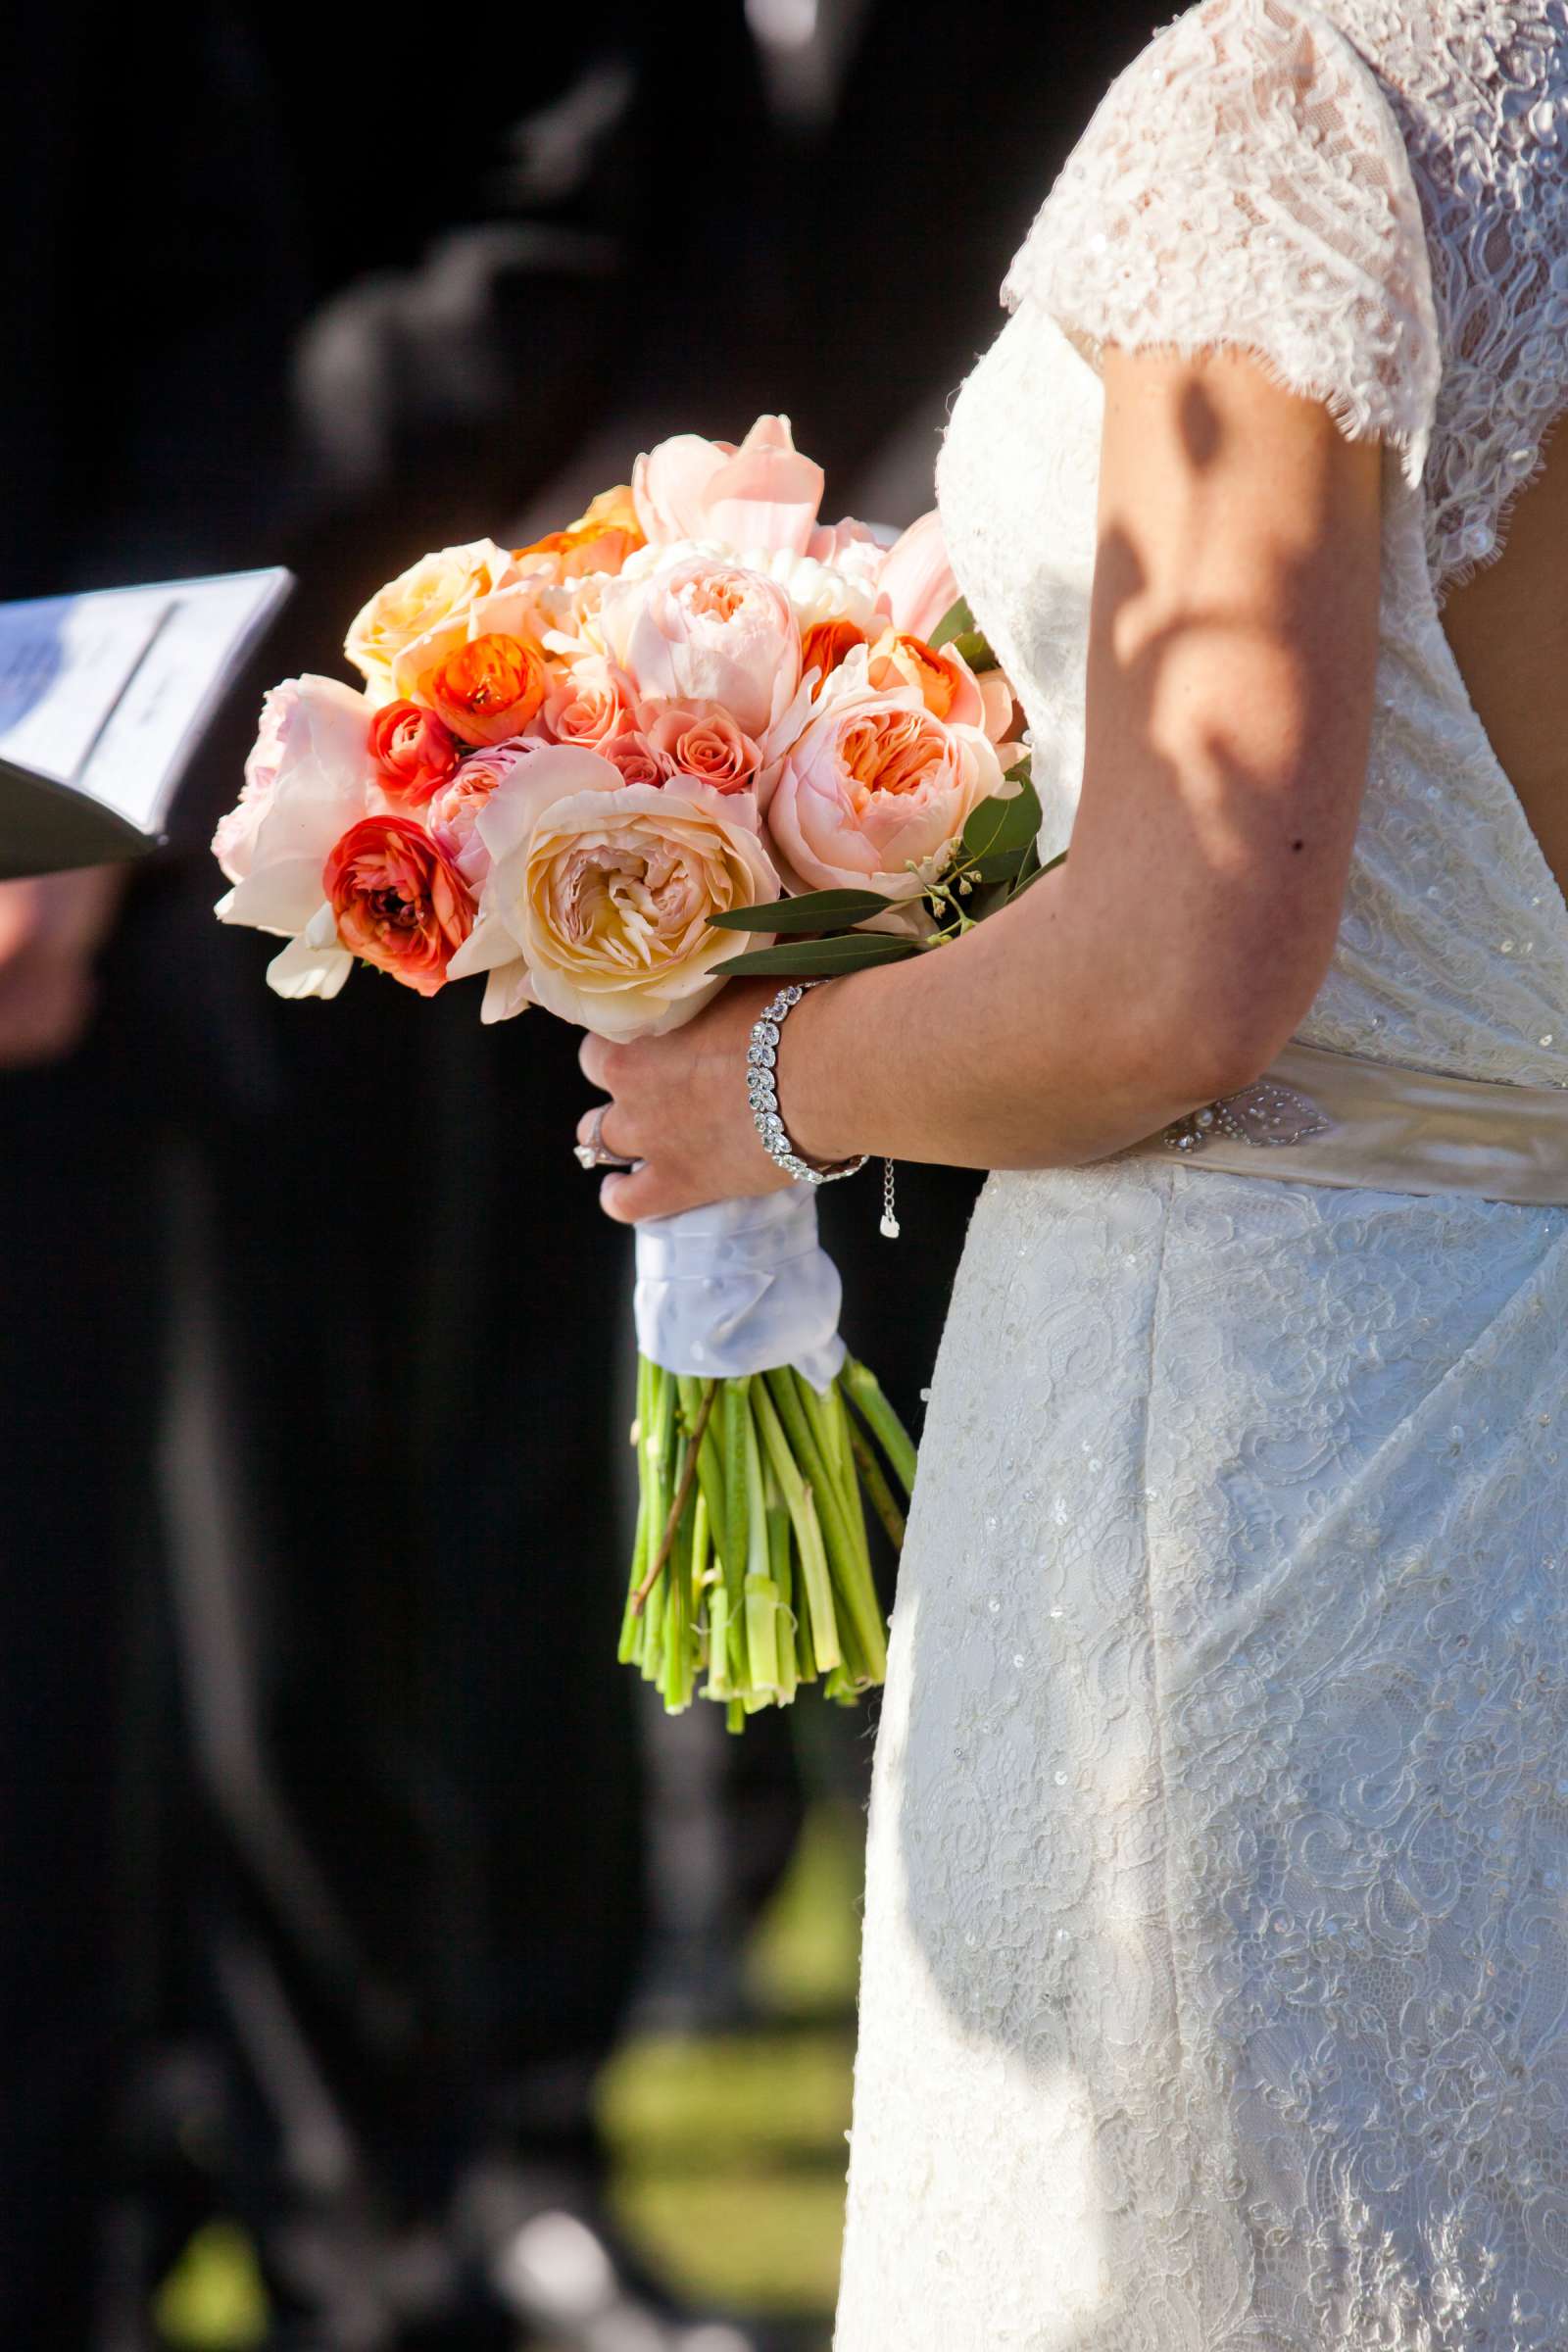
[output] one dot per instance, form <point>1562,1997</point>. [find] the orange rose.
<point>398,901</point>
<point>489,688</point>
<point>413,749</point>
<point>824,647</point>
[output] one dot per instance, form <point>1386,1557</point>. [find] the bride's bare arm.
<point>1231,661</point>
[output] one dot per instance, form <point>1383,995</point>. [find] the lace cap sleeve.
<point>1244,182</point>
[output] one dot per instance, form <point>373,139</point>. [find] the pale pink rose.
<point>707,631</point>
<point>915,586</point>
<point>453,811</point>
<point>873,787</point>
<point>597,901</point>
<point>310,776</point>
<point>593,702</point>
<point>701,740</point>
<point>763,495</point>
<point>636,759</point>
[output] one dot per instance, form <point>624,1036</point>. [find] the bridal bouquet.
<point>578,770</point>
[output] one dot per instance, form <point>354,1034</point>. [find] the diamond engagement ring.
<point>592,1153</point>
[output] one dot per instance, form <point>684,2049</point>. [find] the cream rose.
<point>873,787</point>
<point>707,631</point>
<point>432,595</point>
<point>599,893</point>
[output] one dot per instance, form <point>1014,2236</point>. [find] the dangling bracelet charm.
<point>890,1221</point>
<point>762,1092</point>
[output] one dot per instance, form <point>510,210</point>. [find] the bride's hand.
<point>677,1104</point>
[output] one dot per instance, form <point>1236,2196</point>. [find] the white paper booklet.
<point>103,698</point>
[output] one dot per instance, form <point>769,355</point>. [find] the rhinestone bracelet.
<point>762,1089</point>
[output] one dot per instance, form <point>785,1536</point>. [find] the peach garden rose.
<point>874,787</point>
<point>599,893</point>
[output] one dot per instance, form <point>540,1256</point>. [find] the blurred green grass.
<point>728,2149</point>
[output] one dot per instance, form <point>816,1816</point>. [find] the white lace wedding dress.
<point>1215,1980</point>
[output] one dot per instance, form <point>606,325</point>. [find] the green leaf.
<point>955,622</point>
<point>821,959</point>
<point>997,866</point>
<point>813,910</point>
<point>1003,824</point>
<point>975,647</point>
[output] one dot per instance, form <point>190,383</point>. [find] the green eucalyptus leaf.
<point>1003,824</point>
<point>821,959</point>
<point>957,621</point>
<point>813,910</point>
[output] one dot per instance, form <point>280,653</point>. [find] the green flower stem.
<point>824,1635</point>
<point>878,1491</point>
<point>719,1685</point>
<point>710,1460</point>
<point>631,1623</point>
<point>851,1566</point>
<point>865,1393</point>
<point>860,1617</point>
<point>762,1632</point>
<point>677,1587</point>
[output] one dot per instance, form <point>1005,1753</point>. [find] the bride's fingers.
<point>608,1127</point>
<point>592,1055</point>
<point>648,1191</point>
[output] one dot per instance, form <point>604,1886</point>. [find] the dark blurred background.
<point>376,1971</point>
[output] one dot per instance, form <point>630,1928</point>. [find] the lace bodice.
<point>1372,198</point>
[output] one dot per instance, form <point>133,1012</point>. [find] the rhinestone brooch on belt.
<point>1262,1114</point>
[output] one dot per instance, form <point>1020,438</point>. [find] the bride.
<point>1216,1980</point>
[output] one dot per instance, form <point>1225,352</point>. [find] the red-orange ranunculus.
<point>488,689</point>
<point>399,901</point>
<point>415,750</point>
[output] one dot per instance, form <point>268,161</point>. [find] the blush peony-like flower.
<point>707,631</point>
<point>593,701</point>
<point>453,811</point>
<point>701,740</point>
<point>412,749</point>
<point>436,593</point>
<point>398,901</point>
<point>763,495</point>
<point>915,586</point>
<point>873,787</point>
<point>599,893</point>
<point>489,688</point>
<point>310,777</point>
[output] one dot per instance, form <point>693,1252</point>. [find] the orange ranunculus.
<point>600,540</point>
<point>398,901</point>
<point>899,658</point>
<point>488,689</point>
<point>824,647</point>
<point>415,750</point>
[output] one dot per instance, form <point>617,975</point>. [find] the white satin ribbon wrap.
<point>739,1287</point>
<point>1393,1129</point>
